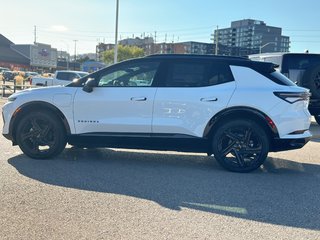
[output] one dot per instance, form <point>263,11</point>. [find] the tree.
<point>124,53</point>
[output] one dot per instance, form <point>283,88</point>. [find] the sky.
<point>60,22</point>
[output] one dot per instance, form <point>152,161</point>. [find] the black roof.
<point>204,56</point>
<point>239,61</point>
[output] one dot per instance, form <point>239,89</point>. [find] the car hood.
<point>56,95</point>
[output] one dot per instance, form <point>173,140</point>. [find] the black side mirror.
<point>89,85</point>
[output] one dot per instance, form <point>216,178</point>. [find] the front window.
<point>139,74</point>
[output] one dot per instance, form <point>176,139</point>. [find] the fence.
<point>7,87</point>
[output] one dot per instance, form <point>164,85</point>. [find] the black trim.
<point>172,142</point>
<point>243,113</point>
<point>38,106</point>
<point>288,144</point>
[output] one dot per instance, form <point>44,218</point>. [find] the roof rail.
<point>173,55</point>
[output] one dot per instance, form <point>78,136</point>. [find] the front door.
<point>122,102</point>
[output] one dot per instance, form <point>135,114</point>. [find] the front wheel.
<point>240,145</point>
<point>41,135</point>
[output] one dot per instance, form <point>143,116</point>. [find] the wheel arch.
<point>241,113</point>
<point>35,106</point>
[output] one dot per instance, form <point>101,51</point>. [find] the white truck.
<point>59,78</point>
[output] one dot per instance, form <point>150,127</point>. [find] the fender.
<point>244,113</point>
<point>30,106</point>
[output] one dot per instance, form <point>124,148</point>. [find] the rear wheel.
<point>240,145</point>
<point>41,135</point>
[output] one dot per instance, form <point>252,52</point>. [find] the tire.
<point>311,80</point>
<point>41,135</point>
<point>317,118</point>
<point>240,145</point>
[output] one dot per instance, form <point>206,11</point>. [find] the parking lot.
<point>130,194</point>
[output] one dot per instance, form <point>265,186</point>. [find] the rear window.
<point>281,79</point>
<point>268,70</point>
<point>197,74</point>
<point>299,61</point>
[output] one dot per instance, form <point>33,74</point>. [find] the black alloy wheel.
<point>240,145</point>
<point>41,135</point>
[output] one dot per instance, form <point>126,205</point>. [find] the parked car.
<point>9,75</point>
<point>236,109</point>
<point>303,69</point>
<point>28,75</point>
<point>60,78</point>
<point>3,69</point>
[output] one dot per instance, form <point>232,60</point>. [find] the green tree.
<point>124,53</point>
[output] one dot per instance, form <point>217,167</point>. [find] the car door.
<point>191,93</point>
<point>122,102</point>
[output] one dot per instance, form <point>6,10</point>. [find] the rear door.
<point>190,94</point>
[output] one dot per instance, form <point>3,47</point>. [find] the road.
<point>126,194</point>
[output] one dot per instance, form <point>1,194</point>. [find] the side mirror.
<point>89,85</point>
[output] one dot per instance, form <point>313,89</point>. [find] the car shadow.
<point>282,192</point>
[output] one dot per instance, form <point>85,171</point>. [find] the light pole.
<point>116,34</point>
<point>260,48</point>
<point>75,54</point>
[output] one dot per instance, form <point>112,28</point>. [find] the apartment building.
<point>250,36</point>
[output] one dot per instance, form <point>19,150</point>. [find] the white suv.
<point>236,109</point>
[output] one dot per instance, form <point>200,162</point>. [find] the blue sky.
<point>60,22</point>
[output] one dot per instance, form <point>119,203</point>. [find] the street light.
<point>116,34</point>
<point>265,45</point>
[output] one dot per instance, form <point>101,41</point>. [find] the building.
<point>42,56</point>
<point>10,58</point>
<point>250,36</point>
<point>102,47</point>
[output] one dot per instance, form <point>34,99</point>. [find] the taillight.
<point>292,97</point>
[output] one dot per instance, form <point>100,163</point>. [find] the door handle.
<point>209,99</point>
<point>139,99</point>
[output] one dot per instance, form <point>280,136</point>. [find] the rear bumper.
<point>288,144</point>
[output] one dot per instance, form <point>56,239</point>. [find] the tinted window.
<point>139,74</point>
<point>197,74</point>
<point>66,76</point>
<point>281,79</point>
<point>299,61</point>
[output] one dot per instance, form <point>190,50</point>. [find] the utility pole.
<point>75,54</point>
<point>35,34</point>
<point>217,41</point>
<point>116,34</point>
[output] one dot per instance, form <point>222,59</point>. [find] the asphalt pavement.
<point>131,194</point>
